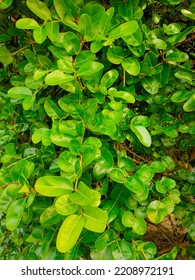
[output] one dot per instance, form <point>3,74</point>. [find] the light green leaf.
<point>117,175</point>
<point>71,43</point>
<point>189,105</point>
<point>134,184</point>
<point>67,161</point>
<point>52,30</point>
<point>131,65</point>
<point>53,186</point>
<point>65,66</point>
<point>156,211</point>
<point>180,96</point>
<point>39,9</point>
<point>19,92</point>
<point>69,233</point>
<point>49,216</point>
<point>142,134</point>
<point>89,68</point>
<point>82,195</point>
<point>58,77</point>
<point>115,54</point>
<point>150,84</point>
<point>5,55</point>
<point>27,23</point>
<point>40,34</point>
<point>64,206</point>
<point>95,219</point>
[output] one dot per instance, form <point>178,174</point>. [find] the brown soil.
<point>166,235</point>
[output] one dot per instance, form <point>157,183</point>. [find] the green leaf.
<point>84,57</point>
<point>145,174</point>
<point>128,219</point>
<point>95,219</point>
<point>82,195</point>
<point>189,105</point>
<point>150,84</point>
<point>52,30</point>
<point>85,27</point>
<point>71,43</point>
<point>5,55</point>
<point>40,34</point>
<point>124,29</point>
<point>75,147</point>
<point>117,175</point>
<point>90,153</point>
<point>159,44</point>
<point>170,131</point>
<point>165,185</point>
<point>14,213</point>
<point>5,4</point>
<point>19,92</point>
<point>125,95</point>
<point>22,170</point>
<point>106,160</point>
<point>61,139</point>
<point>89,68</point>
<point>188,14</point>
<point>49,216</point>
<point>169,256</point>
<point>156,211</point>
<point>140,225</point>
<point>112,209</point>
<point>115,54</point>
<point>180,96</point>
<point>176,56</point>
<point>168,162</point>
<point>69,232</point>
<point>57,77</point>
<point>140,121</point>
<point>109,78</point>
<point>52,109</point>
<point>126,9</point>
<point>135,39</point>
<point>42,134</point>
<point>64,206</point>
<point>134,184</point>
<point>60,7</point>
<point>131,65</point>
<point>53,186</point>
<point>142,134</point>
<point>27,23</point>
<point>65,66</point>
<point>122,250</point>
<point>39,9</point>
<point>67,161</point>
<point>172,28</point>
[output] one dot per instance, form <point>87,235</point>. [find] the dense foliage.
<point>97,128</point>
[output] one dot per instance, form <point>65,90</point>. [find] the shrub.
<point>97,128</point>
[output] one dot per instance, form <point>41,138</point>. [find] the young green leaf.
<point>27,23</point>
<point>69,233</point>
<point>64,206</point>
<point>39,9</point>
<point>95,219</point>
<point>53,186</point>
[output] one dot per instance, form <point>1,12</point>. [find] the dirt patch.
<point>166,235</point>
